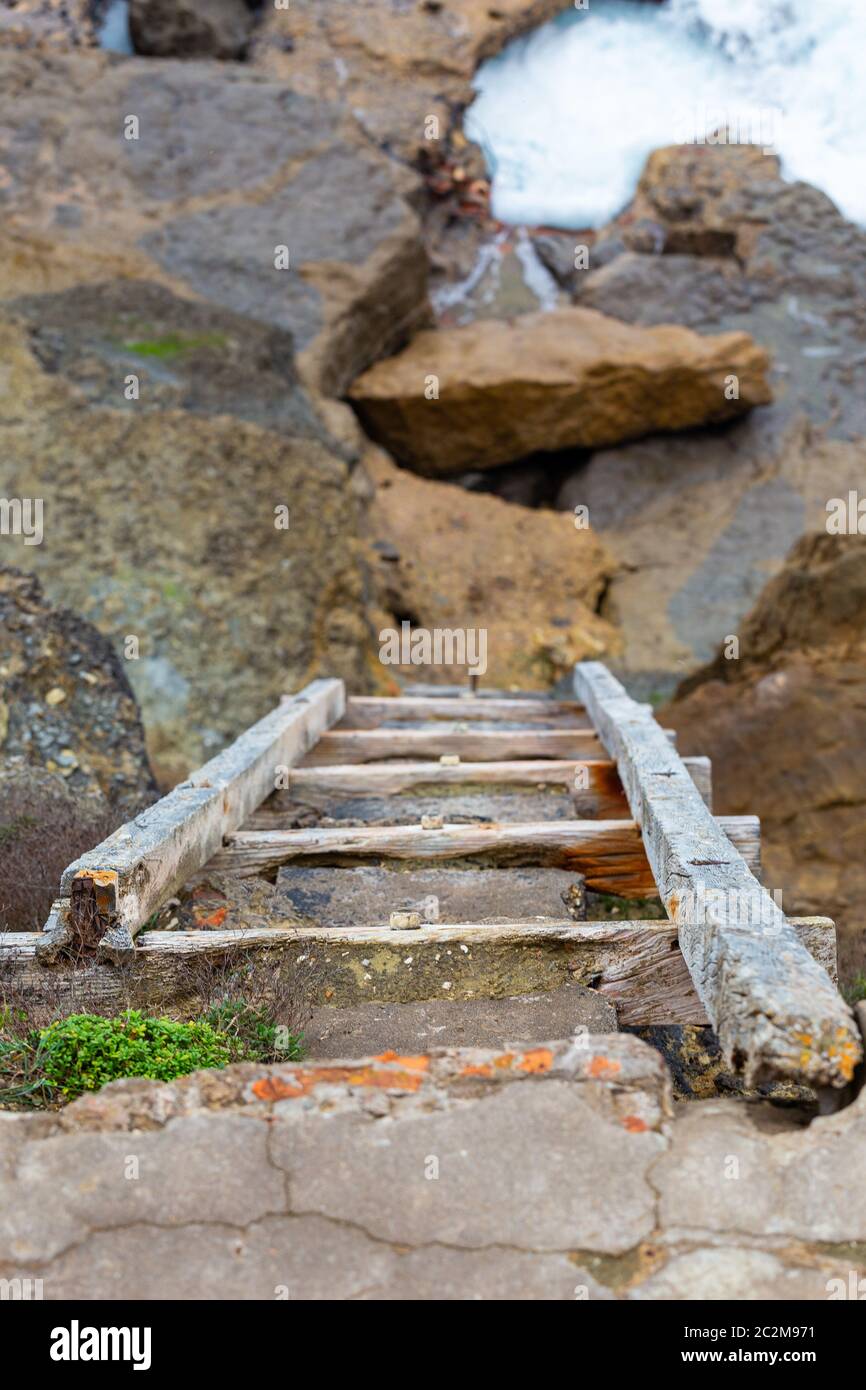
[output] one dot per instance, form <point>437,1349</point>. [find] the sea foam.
<point>567,114</point>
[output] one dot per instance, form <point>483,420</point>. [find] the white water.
<point>568,114</point>
<point>114,30</point>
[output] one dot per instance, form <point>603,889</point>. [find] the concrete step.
<point>521,1021</point>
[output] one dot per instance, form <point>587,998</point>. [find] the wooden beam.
<point>374,745</point>
<point>597,779</point>
<point>776,1011</point>
<point>369,711</point>
<point>635,964</point>
<point>610,854</point>
<point>120,883</point>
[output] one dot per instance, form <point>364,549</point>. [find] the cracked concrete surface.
<point>562,1171</point>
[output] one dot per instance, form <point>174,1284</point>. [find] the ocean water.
<point>567,114</point>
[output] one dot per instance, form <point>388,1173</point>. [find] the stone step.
<point>521,1021</point>
<point>367,895</point>
<point>478,805</point>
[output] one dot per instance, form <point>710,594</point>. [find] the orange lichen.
<point>204,918</point>
<point>102,876</point>
<point>419,1063</point>
<point>601,1067</point>
<point>302,1081</point>
<point>483,1069</point>
<point>634,1124</point>
<point>539,1059</point>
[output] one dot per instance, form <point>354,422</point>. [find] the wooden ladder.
<point>424,796</point>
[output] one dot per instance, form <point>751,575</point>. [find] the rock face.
<point>190,28</point>
<point>165,518</point>
<point>259,1157</point>
<point>393,63</point>
<point>785,725</point>
<point>716,239</point>
<point>57,23</point>
<point>66,704</point>
<point>449,558</point>
<point>209,179</point>
<point>492,392</point>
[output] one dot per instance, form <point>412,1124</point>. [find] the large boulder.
<point>66,704</point>
<point>228,176</point>
<point>492,392</point>
<point>218,552</point>
<point>394,63</point>
<point>73,760</point>
<point>450,558</point>
<point>190,28</point>
<point>718,240</point>
<point>785,725</point>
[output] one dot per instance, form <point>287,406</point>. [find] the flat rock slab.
<point>366,896</point>
<point>571,378</point>
<point>517,1022</point>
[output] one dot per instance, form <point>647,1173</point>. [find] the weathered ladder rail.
<point>123,880</point>
<point>775,1010</point>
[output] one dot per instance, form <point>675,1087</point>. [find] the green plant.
<point>82,1052</point>
<point>857,989</point>
<point>85,1051</point>
<point>20,1082</point>
<point>254,1031</point>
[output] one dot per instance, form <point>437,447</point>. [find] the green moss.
<point>172,344</point>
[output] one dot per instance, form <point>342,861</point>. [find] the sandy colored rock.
<point>159,525</point>
<point>704,200</point>
<point>451,558</point>
<point>785,725</point>
<point>227,167</point>
<point>190,28</point>
<point>396,64</point>
<point>492,392</point>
